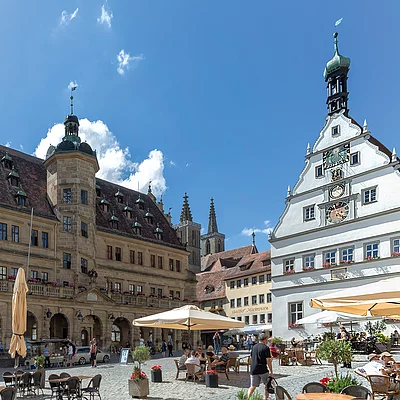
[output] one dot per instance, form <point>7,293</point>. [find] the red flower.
<point>325,380</point>
<point>156,367</point>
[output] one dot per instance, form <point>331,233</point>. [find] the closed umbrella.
<point>381,298</point>
<point>18,308</point>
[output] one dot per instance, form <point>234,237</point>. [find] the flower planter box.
<point>156,375</point>
<point>212,381</point>
<point>138,388</point>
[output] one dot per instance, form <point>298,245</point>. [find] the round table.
<point>323,396</point>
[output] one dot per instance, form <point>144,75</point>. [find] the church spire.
<point>335,75</point>
<point>186,214</point>
<point>212,219</point>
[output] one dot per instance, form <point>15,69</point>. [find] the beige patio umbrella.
<point>190,318</point>
<point>380,298</point>
<point>18,308</point>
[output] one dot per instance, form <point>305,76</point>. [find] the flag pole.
<point>29,246</point>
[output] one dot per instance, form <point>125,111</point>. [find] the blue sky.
<point>228,92</point>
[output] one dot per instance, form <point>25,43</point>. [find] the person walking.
<point>217,342</point>
<point>93,353</point>
<point>70,354</point>
<point>170,347</point>
<point>249,342</point>
<point>46,354</point>
<point>261,366</point>
<point>163,347</point>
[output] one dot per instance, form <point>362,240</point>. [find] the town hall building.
<point>341,224</point>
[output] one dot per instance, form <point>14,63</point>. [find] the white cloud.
<point>105,17</point>
<point>8,144</point>
<point>188,165</point>
<point>72,84</point>
<point>249,231</point>
<point>172,163</point>
<point>125,60</point>
<point>115,162</point>
<point>67,18</point>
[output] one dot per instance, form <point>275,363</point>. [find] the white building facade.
<point>341,224</point>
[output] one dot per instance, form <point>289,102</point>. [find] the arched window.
<point>219,249</point>
<point>115,333</point>
<point>208,247</point>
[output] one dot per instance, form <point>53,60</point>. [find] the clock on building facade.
<point>336,191</point>
<point>336,156</point>
<point>337,212</point>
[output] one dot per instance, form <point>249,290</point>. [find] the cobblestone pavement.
<point>114,385</point>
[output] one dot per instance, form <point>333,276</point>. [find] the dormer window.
<point>7,161</point>
<point>119,196</point>
<point>209,289</point>
<point>149,217</point>
<point>140,203</point>
<point>98,190</point>
<point>13,177</point>
<point>21,197</point>
<point>137,227</point>
<point>128,211</point>
<point>105,205</point>
<point>158,232</point>
<point>114,222</point>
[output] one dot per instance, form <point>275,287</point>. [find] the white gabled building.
<point>341,224</point>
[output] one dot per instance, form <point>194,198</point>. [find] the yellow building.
<point>247,288</point>
<point>100,255</point>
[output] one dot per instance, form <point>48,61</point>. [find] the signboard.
<point>124,356</point>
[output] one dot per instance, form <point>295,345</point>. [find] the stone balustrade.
<point>66,292</point>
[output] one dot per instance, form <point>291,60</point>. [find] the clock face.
<point>338,155</point>
<point>336,191</point>
<point>337,212</point>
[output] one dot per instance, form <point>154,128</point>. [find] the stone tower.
<point>189,234</point>
<point>213,241</point>
<point>71,189</point>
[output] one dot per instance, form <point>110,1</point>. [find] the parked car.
<point>82,355</point>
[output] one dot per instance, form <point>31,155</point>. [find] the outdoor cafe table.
<point>63,380</point>
<point>323,396</point>
<point>2,387</point>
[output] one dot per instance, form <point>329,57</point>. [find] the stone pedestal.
<point>139,389</point>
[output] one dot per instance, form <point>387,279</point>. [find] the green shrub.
<point>335,351</point>
<point>242,395</point>
<point>141,354</point>
<point>277,340</point>
<point>328,336</point>
<point>382,338</point>
<point>336,385</point>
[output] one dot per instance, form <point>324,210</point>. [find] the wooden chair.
<point>243,361</point>
<point>9,393</point>
<point>314,387</point>
<point>282,394</point>
<point>178,370</point>
<point>357,391</point>
<point>380,385</point>
<point>291,353</point>
<point>232,364</point>
<point>191,372</point>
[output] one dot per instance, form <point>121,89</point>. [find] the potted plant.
<point>156,373</point>
<point>335,351</point>
<point>336,385</point>
<point>39,365</point>
<point>212,378</point>
<point>138,383</point>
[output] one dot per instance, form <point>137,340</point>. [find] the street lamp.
<point>111,317</point>
<point>79,316</point>
<point>48,313</point>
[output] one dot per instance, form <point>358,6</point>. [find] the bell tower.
<point>213,241</point>
<point>335,75</point>
<point>189,234</point>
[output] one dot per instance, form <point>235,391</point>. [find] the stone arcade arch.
<point>121,332</point>
<point>93,326</point>
<point>31,326</point>
<point>59,326</point>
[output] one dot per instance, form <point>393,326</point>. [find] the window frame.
<point>355,154</point>
<point>35,237</point>
<point>232,303</point>
<point>84,197</point>
<point>232,284</point>
<point>369,190</point>
<point>84,265</point>
<point>178,265</point>
<point>308,261</point>
<point>3,273</point>
<point>297,314</point>
<point>132,256</point>
<point>152,260</point>
<point>337,133</point>
<point>171,264</point>
<point>245,301</point>
<point>372,250</point>
<point>287,268</point>
<point>330,255</point>
<point>67,224</point>
<point>261,298</point>
<point>15,233</point>
<point>140,258</point>
<point>319,171</point>
<point>45,240</point>
<point>3,231</point>
<point>269,277</point>
<point>254,280</point>
<point>346,258</point>
<point>269,297</point>
<point>246,282</point>
<point>44,276</point>
<point>67,195</point>
<point>67,260</point>
<point>109,252</point>
<point>254,300</point>
<point>393,245</point>
<point>311,213</point>
<point>84,232</point>
<point>239,302</point>
<point>118,254</point>
<point>238,283</point>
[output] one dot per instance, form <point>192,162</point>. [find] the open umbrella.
<point>18,308</point>
<point>329,317</point>
<point>188,317</point>
<point>380,298</point>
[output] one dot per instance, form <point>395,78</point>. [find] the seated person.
<point>210,353</point>
<point>182,360</point>
<point>373,367</point>
<point>220,363</point>
<point>232,353</point>
<point>193,359</point>
<point>294,342</point>
<point>387,359</point>
<point>273,349</point>
<point>202,357</point>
